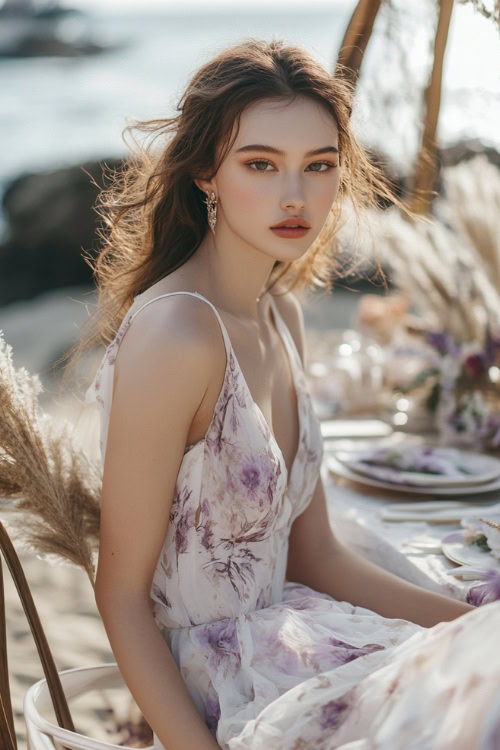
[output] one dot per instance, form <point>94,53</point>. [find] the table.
<point>353,511</point>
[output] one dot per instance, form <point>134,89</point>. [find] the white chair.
<point>43,734</point>
<point>49,695</point>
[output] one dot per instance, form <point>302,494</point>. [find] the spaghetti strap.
<point>101,388</point>
<point>227,340</point>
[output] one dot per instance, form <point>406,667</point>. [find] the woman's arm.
<point>166,361</point>
<point>151,674</point>
<point>319,560</point>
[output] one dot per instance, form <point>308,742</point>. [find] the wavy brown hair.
<point>154,216</point>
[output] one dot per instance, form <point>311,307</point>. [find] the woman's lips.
<point>290,233</point>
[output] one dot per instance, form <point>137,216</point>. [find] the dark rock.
<point>30,31</point>
<point>32,45</point>
<point>462,151</point>
<point>466,150</point>
<point>51,221</point>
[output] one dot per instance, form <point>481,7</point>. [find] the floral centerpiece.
<point>464,389</point>
<point>448,268</point>
<point>466,396</point>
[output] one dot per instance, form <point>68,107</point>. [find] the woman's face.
<point>257,187</point>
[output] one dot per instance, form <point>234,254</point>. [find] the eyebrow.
<point>273,150</point>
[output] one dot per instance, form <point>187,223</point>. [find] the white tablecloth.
<point>355,519</point>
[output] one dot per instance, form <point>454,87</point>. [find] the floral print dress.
<point>276,665</point>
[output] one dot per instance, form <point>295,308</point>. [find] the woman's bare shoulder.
<point>167,329</point>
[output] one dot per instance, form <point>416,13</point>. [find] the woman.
<point>237,618</point>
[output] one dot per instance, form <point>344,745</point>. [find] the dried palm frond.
<point>488,10</point>
<point>472,208</point>
<point>450,273</point>
<point>48,485</point>
<point>493,524</point>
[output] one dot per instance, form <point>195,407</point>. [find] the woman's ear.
<point>204,185</point>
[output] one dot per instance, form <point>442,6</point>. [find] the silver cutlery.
<point>467,572</point>
<point>449,515</point>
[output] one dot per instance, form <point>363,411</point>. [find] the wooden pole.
<point>425,168</point>
<point>7,729</point>
<point>7,736</point>
<point>356,38</point>
<point>51,674</point>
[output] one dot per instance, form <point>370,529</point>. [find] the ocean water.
<point>59,111</point>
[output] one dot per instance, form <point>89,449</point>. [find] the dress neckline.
<point>284,334</point>
<point>278,322</point>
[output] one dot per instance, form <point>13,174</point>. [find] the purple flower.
<point>212,710</point>
<point>254,475</point>
<point>220,636</point>
<point>475,365</point>
<point>443,343</point>
<point>332,714</point>
<point>486,592</point>
<point>251,474</point>
<point>341,652</point>
<point>221,640</point>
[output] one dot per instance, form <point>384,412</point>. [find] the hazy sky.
<point>182,5</point>
<point>473,47</point>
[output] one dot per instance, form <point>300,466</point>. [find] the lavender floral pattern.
<point>273,663</point>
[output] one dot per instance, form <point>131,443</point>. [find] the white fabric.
<point>275,664</point>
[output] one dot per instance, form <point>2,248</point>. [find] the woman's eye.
<point>260,161</point>
<point>265,164</point>
<point>326,164</point>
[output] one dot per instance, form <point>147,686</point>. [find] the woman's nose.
<point>293,200</point>
<point>292,193</point>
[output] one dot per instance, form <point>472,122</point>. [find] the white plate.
<point>480,468</point>
<point>458,551</point>
<point>340,469</point>
<point>355,428</point>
